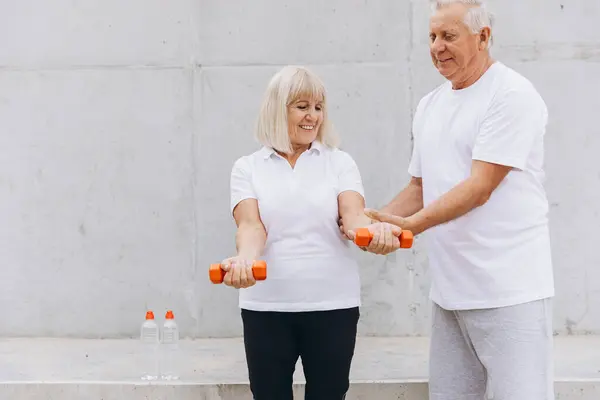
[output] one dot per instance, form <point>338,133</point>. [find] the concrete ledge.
<point>119,391</point>
<point>214,369</point>
<point>189,391</point>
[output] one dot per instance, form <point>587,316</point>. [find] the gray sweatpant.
<point>507,351</point>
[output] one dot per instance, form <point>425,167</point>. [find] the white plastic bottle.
<point>170,348</point>
<point>150,340</point>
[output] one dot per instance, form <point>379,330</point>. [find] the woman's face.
<point>305,116</point>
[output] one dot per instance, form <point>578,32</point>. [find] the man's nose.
<point>437,46</point>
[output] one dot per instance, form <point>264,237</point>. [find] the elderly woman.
<point>286,199</point>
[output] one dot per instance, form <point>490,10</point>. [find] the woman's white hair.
<point>284,88</point>
<point>477,17</point>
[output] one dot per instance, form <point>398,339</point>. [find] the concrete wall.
<point>120,121</point>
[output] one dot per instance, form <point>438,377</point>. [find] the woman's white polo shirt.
<point>310,265</point>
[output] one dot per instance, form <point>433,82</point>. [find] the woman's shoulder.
<point>248,160</point>
<point>339,155</point>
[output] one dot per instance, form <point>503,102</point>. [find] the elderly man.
<point>476,188</point>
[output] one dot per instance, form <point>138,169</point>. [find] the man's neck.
<point>476,73</point>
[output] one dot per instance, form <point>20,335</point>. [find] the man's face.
<point>455,50</point>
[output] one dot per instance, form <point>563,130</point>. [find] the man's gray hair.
<point>477,17</point>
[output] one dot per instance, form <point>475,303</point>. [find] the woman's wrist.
<point>248,255</point>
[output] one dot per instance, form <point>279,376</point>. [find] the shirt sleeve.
<point>241,183</point>
<point>348,176</point>
<point>515,120</point>
<point>414,167</point>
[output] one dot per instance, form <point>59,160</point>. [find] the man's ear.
<point>484,38</point>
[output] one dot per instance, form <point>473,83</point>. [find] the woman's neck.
<point>297,150</point>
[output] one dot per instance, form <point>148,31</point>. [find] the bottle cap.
<point>169,315</point>
<point>149,315</point>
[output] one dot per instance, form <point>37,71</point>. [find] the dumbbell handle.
<point>364,236</point>
<point>217,274</point>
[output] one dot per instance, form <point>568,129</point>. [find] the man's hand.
<point>400,222</point>
<point>239,272</point>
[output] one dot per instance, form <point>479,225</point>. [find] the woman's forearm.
<point>352,211</point>
<point>354,220</point>
<point>250,240</point>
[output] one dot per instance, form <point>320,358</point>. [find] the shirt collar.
<point>316,147</point>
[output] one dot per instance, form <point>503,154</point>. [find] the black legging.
<point>324,340</point>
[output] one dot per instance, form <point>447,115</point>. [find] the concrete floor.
<point>214,369</point>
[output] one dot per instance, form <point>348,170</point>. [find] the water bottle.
<point>170,348</point>
<point>150,340</point>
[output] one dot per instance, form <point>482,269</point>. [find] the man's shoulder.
<point>430,96</point>
<point>514,90</point>
<point>509,80</point>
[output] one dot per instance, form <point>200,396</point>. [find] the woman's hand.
<point>343,229</point>
<point>385,238</point>
<point>238,272</point>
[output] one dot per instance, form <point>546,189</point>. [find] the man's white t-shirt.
<point>310,266</point>
<point>497,254</point>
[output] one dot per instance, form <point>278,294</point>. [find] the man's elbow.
<point>482,193</point>
<point>482,197</point>
<point>485,178</point>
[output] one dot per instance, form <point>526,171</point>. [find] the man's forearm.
<point>250,241</point>
<point>407,202</point>
<point>463,198</point>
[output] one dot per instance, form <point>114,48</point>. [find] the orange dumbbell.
<point>364,236</point>
<point>217,274</point>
